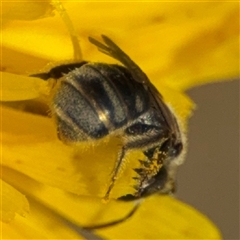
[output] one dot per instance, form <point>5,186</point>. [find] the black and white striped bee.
<point>98,99</point>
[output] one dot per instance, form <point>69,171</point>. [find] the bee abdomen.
<point>95,99</point>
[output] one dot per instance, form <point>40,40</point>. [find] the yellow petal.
<point>211,55</point>
<point>27,10</point>
<point>189,41</point>
<point>19,229</point>
<point>12,202</point>
<point>165,218</point>
<point>158,217</point>
<point>42,222</point>
<point>16,87</point>
<point>39,225</point>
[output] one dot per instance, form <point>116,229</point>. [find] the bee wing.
<point>112,50</point>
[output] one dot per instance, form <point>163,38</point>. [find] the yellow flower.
<point>178,45</point>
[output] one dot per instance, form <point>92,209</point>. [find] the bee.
<point>98,99</point>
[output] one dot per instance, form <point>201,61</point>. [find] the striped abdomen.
<point>96,99</point>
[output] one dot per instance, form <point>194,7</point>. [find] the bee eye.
<point>171,148</point>
<point>177,149</point>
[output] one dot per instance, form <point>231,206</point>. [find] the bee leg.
<point>115,222</point>
<point>115,172</point>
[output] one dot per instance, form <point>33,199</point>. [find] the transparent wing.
<point>112,50</point>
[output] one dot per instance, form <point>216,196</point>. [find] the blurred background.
<point>209,179</point>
